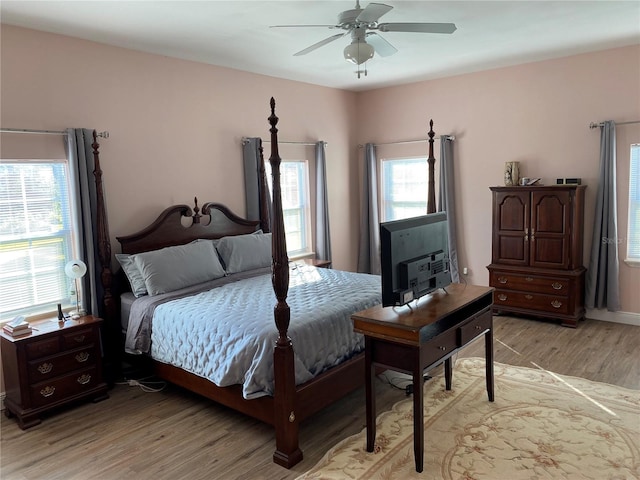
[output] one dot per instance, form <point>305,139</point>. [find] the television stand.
<point>417,340</point>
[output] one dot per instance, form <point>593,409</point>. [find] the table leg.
<point>370,394</point>
<point>448,374</point>
<point>418,413</point>
<point>488,346</point>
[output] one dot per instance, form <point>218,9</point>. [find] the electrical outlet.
<point>465,271</point>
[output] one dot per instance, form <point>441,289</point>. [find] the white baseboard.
<point>616,317</point>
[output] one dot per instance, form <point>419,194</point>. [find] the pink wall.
<point>537,114</point>
<point>176,128</point>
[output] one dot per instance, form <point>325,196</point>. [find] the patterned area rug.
<point>541,426</point>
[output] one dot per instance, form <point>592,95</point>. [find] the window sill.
<point>632,262</point>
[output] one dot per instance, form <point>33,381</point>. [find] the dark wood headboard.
<point>172,227</point>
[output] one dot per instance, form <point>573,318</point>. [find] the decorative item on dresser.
<point>58,363</point>
<point>536,262</point>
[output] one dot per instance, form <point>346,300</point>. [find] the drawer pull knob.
<point>442,348</point>
<point>79,338</point>
<point>478,327</point>
<point>556,304</point>
<point>502,297</point>
<point>528,297</point>
<point>45,368</point>
<point>529,279</point>
<point>82,357</point>
<point>556,286</point>
<point>502,279</point>
<point>84,379</point>
<point>47,391</point>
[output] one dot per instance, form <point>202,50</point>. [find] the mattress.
<point>227,333</point>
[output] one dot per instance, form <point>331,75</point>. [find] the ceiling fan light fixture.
<point>358,52</point>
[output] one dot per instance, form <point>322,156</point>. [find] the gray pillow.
<point>245,252</point>
<point>172,268</point>
<point>138,287</point>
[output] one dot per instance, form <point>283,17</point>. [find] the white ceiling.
<point>236,34</point>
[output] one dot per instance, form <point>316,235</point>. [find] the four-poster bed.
<point>291,401</point>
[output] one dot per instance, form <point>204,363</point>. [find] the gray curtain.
<point>83,190</point>
<point>369,245</point>
<point>323,237</point>
<point>446,201</point>
<point>251,158</point>
<point>602,288</point>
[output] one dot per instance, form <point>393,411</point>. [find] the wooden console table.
<point>414,340</point>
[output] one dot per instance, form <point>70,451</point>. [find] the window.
<point>404,188</point>
<point>633,229</point>
<point>35,237</point>
<point>294,185</point>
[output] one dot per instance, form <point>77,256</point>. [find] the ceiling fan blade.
<point>380,45</point>
<point>373,12</point>
<point>319,44</point>
<point>418,27</point>
<point>297,26</point>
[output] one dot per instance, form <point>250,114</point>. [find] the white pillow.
<point>245,252</point>
<point>172,268</point>
<point>138,287</point>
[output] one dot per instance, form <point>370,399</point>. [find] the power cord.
<point>407,387</point>
<point>145,385</point>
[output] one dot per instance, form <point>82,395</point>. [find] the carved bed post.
<point>431,200</point>
<point>286,421</point>
<point>110,313</point>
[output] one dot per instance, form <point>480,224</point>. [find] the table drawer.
<point>531,301</point>
<point>476,326</point>
<point>49,367</point>
<point>439,347</point>
<point>61,388</point>
<point>530,283</point>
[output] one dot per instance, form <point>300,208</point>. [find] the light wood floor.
<point>175,434</point>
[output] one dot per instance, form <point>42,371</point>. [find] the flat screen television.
<point>414,257</point>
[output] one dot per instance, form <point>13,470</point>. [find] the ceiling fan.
<point>360,22</point>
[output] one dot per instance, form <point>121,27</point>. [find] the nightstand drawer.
<point>77,338</point>
<point>62,388</point>
<point>49,367</point>
<point>43,348</point>
<point>530,283</point>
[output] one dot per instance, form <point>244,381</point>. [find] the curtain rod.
<point>104,134</point>
<point>245,139</point>
<point>600,124</point>
<point>451,137</point>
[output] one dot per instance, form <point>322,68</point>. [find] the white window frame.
<point>295,204</point>
<point>44,283</point>
<point>633,219</point>
<point>389,204</point>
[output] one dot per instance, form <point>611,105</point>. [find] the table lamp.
<point>76,269</point>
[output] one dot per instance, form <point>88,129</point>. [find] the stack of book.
<point>17,329</point>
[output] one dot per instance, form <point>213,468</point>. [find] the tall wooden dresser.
<point>536,261</point>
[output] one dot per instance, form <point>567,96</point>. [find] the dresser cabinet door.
<point>511,227</point>
<point>551,219</point>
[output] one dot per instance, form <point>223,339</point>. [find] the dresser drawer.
<point>43,348</point>
<point>476,326</point>
<point>530,283</point>
<point>61,388</point>
<point>78,338</point>
<point>531,301</point>
<point>49,367</point>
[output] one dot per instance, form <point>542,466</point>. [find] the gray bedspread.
<point>226,331</point>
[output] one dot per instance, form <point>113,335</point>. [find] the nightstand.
<point>315,262</point>
<point>57,364</point>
